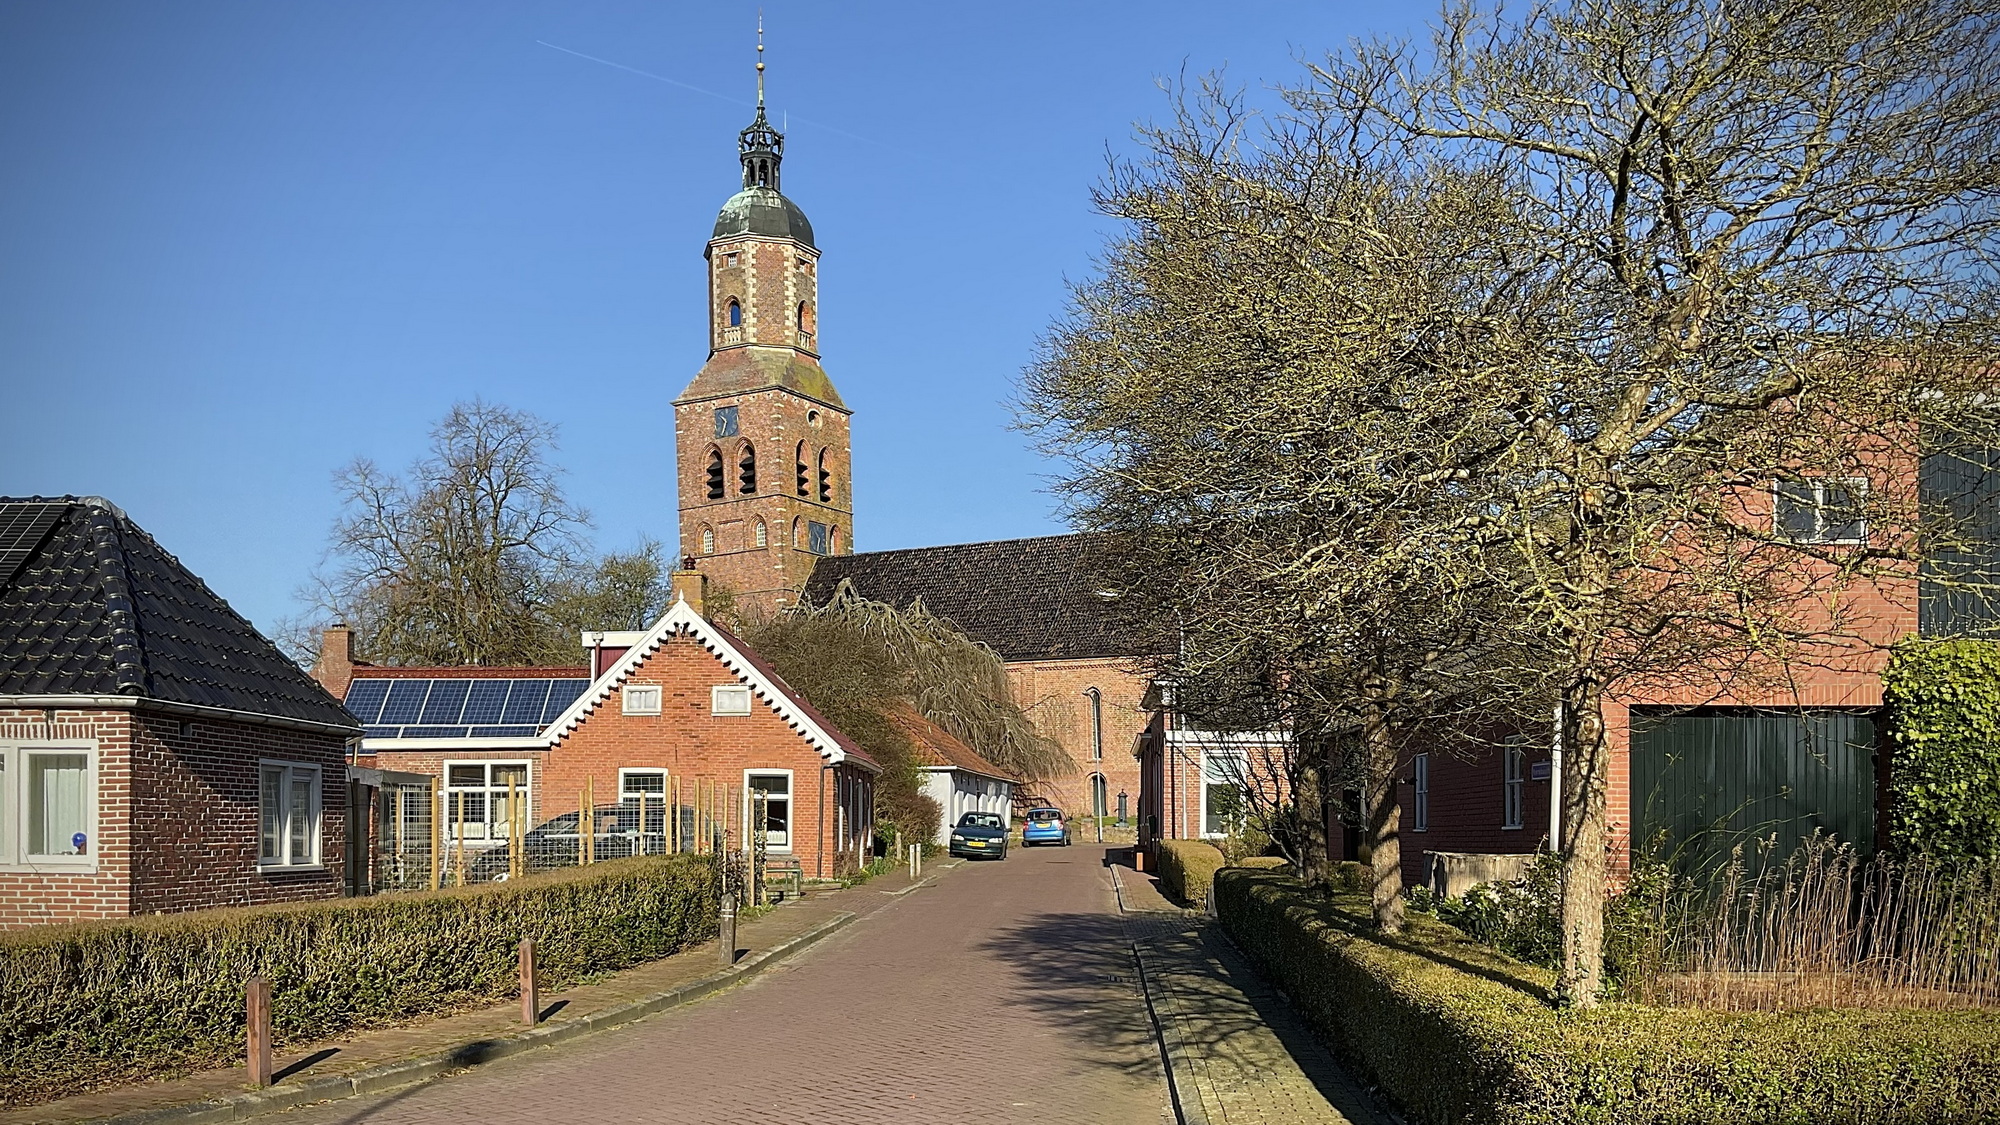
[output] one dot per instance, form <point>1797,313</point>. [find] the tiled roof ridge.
<point>128,652</point>
<point>1066,535</point>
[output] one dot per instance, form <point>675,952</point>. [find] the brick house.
<point>1074,664</point>
<point>157,753</point>
<point>656,718</point>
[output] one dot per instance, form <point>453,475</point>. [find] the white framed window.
<point>480,799</point>
<point>1821,510</point>
<point>729,699</point>
<point>288,814</point>
<point>644,793</point>
<point>1513,783</point>
<point>1224,800</point>
<point>48,806</point>
<point>762,536</point>
<point>1420,803</point>
<point>776,786</point>
<point>640,699</point>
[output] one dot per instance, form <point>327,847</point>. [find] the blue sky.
<point>244,243</point>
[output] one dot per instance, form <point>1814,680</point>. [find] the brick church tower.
<point>761,436</point>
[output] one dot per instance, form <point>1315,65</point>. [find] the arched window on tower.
<point>715,475</point>
<point>825,480</point>
<point>805,483</point>
<point>746,470</point>
<point>833,540</point>
<point>798,529</point>
<point>761,536</point>
<point>735,313</point>
<point>805,325</point>
<point>707,540</point>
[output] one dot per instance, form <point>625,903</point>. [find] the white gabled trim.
<point>682,618</point>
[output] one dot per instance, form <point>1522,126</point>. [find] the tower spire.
<point>760,147</point>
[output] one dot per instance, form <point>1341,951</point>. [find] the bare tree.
<point>458,560</point>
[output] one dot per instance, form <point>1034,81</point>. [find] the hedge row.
<point>1456,1032</point>
<point>1187,869</point>
<point>1943,698</point>
<point>88,1005</point>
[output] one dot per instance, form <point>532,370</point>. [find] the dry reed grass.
<point>1823,926</point>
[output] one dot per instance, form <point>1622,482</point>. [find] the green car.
<point>980,835</point>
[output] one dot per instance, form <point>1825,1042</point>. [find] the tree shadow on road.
<point>1075,972</point>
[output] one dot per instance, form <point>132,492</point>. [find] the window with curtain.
<point>288,814</point>
<point>58,803</point>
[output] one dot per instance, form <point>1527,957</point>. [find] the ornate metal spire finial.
<point>760,62</point>
<point>760,146</point>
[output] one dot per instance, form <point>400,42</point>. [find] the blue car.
<point>1045,826</point>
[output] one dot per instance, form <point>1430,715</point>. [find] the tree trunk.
<point>1583,845</point>
<point>1385,848</point>
<point>1309,803</point>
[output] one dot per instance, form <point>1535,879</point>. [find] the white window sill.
<point>52,867</point>
<point>283,868</point>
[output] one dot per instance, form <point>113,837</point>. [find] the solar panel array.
<point>22,528</point>
<point>460,708</point>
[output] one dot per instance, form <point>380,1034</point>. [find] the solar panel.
<point>562,693</point>
<point>364,699</point>
<point>406,701</point>
<point>524,704</point>
<point>446,700</point>
<point>504,732</point>
<point>487,699</point>
<point>22,529</point>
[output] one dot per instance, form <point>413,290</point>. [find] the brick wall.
<point>689,741</point>
<point>1052,692</point>
<point>177,817</point>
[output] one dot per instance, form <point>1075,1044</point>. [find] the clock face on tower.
<point>761,435</point>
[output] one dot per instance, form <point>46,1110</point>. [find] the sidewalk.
<point>1237,1053</point>
<point>387,1057</point>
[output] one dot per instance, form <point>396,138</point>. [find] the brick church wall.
<point>1052,692</point>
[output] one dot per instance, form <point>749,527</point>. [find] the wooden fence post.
<point>257,1053</point>
<point>727,936</point>
<point>531,1004</point>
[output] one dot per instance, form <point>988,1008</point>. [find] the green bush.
<point>1456,1032</point>
<point>1944,733</point>
<point>87,1005</point>
<point>1187,868</point>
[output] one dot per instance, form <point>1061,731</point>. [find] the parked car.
<point>979,834</point>
<point>1045,826</point>
<point>553,843</point>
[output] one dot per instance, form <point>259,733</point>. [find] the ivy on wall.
<point>1943,699</point>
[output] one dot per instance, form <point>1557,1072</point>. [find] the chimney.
<point>691,585</point>
<point>334,669</point>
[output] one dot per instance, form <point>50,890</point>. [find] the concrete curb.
<point>410,1072</point>
<point>1188,1107</point>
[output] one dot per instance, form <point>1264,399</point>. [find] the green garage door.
<point>1711,779</point>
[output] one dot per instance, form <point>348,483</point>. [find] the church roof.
<point>91,605</point>
<point>735,371</point>
<point>762,212</point>
<point>1027,599</point>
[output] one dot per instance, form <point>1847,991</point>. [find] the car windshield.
<point>1045,814</point>
<point>979,820</point>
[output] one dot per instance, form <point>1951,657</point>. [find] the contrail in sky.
<point>696,89</point>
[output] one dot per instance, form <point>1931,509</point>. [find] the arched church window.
<point>797,530</point>
<point>735,314</point>
<point>804,483</point>
<point>715,474</point>
<point>746,470</point>
<point>833,540</point>
<point>825,480</point>
<point>761,536</point>
<point>707,540</point>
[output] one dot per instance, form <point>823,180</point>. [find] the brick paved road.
<point>1004,992</point>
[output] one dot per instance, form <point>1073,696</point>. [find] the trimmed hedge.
<point>93,1004</point>
<point>1456,1032</point>
<point>1187,869</point>
<point>1944,709</point>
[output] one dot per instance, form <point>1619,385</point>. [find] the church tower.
<point>761,436</point>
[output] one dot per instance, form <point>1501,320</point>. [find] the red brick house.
<point>664,719</point>
<point>157,753</point>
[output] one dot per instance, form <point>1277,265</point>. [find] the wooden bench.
<point>783,870</point>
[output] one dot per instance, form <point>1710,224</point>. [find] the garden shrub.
<point>1943,699</point>
<point>96,1003</point>
<point>1187,868</point>
<point>1457,1033</point>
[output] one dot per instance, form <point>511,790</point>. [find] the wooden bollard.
<point>727,935</point>
<point>257,1053</point>
<point>531,1000</point>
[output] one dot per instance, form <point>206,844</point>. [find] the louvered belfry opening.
<point>715,483</point>
<point>804,483</point>
<point>746,470</point>
<point>825,480</point>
